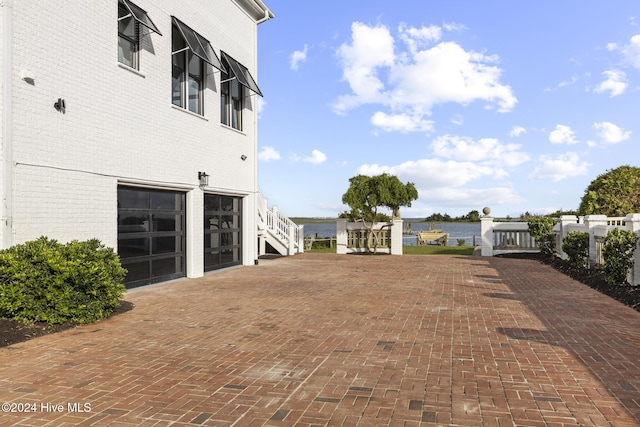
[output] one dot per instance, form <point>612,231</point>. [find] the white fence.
<point>354,237</point>
<point>509,237</point>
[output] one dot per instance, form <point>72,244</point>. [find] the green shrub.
<point>462,242</point>
<point>618,249</point>
<point>541,229</point>
<point>576,245</point>
<point>46,281</point>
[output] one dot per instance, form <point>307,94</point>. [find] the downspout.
<point>256,193</point>
<point>267,16</point>
<point>6,9</point>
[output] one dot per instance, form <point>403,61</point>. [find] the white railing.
<point>261,204</point>
<point>616,221</point>
<point>506,237</point>
<point>512,237</point>
<point>365,238</point>
<point>286,230</point>
<point>597,226</point>
<point>599,242</point>
<point>279,227</point>
<point>354,237</point>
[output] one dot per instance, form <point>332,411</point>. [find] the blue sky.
<point>515,105</point>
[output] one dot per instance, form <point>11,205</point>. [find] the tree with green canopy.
<point>368,193</point>
<point>614,193</point>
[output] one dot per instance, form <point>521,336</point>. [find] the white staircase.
<point>274,228</point>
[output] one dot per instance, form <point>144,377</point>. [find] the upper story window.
<point>232,90</point>
<point>189,54</point>
<point>231,100</point>
<point>130,18</point>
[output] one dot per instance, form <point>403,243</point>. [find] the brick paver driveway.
<point>334,340</point>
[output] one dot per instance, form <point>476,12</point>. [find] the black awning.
<point>198,45</point>
<point>242,74</point>
<point>141,16</point>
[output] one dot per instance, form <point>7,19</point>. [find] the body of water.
<point>456,230</point>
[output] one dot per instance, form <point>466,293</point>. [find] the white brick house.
<point>111,111</point>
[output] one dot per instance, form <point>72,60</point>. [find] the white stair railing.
<point>261,204</point>
<point>285,231</point>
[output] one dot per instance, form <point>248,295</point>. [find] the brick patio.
<point>321,339</point>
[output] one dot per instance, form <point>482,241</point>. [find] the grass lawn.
<point>415,250</point>
<point>322,250</point>
<point>437,250</point>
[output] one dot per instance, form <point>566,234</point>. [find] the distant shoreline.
<point>308,220</point>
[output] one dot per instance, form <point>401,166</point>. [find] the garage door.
<point>222,231</point>
<point>151,234</point>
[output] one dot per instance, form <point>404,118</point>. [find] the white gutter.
<point>6,72</point>
<point>267,15</point>
<point>254,9</point>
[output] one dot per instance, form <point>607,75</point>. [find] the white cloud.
<point>559,168</point>
<point>268,153</point>
<point>460,163</point>
<point>487,151</point>
<point>574,79</point>
<point>610,133</point>
<point>410,82</point>
<point>330,207</point>
<point>448,73</point>
<point>316,157</point>
<point>615,83</point>
<point>475,197</point>
<point>401,123</point>
<point>458,119</point>
<point>562,135</point>
<point>372,47</point>
<point>516,131</point>
<point>631,51</point>
<point>443,181</point>
<point>432,173</point>
<point>452,26</point>
<point>297,57</point>
<point>417,38</point>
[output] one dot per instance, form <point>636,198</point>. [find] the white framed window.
<point>231,101</point>
<point>189,55</point>
<point>130,20</point>
<point>232,91</point>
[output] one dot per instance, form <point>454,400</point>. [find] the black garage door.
<point>151,234</point>
<point>222,231</point>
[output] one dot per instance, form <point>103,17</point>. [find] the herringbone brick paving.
<point>329,340</point>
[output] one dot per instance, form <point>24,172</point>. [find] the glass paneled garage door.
<point>151,234</point>
<point>222,231</point>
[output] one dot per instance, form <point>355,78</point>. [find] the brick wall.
<point>120,126</point>
<point>64,205</point>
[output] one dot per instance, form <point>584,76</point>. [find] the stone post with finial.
<point>486,233</point>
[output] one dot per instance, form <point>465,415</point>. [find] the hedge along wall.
<point>47,281</point>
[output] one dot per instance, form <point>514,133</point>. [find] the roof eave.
<point>256,9</point>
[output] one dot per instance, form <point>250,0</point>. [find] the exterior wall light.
<point>243,157</point>
<point>60,105</point>
<point>203,178</point>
